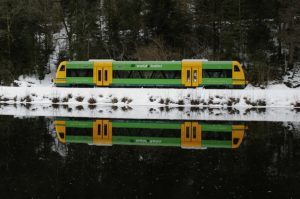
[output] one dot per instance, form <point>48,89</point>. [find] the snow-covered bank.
<point>146,112</point>
<point>273,96</point>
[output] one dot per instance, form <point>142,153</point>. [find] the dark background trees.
<point>26,29</point>
<point>263,35</point>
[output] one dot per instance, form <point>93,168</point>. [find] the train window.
<point>80,73</point>
<point>99,129</point>
<point>105,130</point>
<point>79,131</point>
<point>62,135</point>
<point>236,140</point>
<point>147,74</point>
<point>62,68</point>
<point>188,74</point>
<point>195,76</point>
<point>99,75</point>
<point>211,73</point>
<point>105,75</point>
<point>236,68</point>
<point>142,132</point>
<point>187,132</point>
<point>194,132</point>
<point>212,135</point>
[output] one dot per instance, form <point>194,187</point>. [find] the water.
<point>149,161</point>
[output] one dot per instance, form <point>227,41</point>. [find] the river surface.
<point>50,157</point>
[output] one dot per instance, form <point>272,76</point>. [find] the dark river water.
<point>88,158</point>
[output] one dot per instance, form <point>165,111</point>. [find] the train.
<point>183,134</point>
<point>186,73</point>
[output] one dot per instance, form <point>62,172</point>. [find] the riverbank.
<point>272,96</point>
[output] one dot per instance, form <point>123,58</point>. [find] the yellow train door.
<point>190,135</point>
<point>102,132</point>
<point>98,74</point>
<point>191,73</point>
<point>102,73</point>
<point>107,75</point>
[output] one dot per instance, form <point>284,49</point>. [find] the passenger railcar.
<point>185,73</point>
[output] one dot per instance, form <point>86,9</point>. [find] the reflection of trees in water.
<point>267,160</point>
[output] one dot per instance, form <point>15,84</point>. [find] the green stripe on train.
<point>147,81</point>
<point>79,80</point>
<point>145,141</point>
<point>150,65</point>
<point>79,139</point>
<point>216,81</point>
<point>216,143</point>
<point>147,65</point>
<point>80,65</point>
<point>217,65</point>
<point>149,141</point>
<point>216,127</point>
<point>79,124</point>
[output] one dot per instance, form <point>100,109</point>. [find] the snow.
<point>292,78</point>
<point>273,96</point>
<point>153,113</point>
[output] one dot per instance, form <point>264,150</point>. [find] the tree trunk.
<point>291,55</point>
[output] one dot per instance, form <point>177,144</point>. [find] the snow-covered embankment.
<point>273,96</point>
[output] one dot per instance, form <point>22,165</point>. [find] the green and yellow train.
<point>185,73</point>
<point>184,134</point>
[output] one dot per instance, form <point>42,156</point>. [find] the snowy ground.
<point>292,78</point>
<point>273,96</point>
<point>147,112</point>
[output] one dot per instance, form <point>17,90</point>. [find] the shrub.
<point>92,101</point>
<point>232,101</point>
<point>124,99</point>
<point>167,102</point>
<point>180,102</point>
<point>65,99</point>
<point>79,99</point>
<point>297,105</point>
<point>114,100</point>
<point>195,102</point>
<point>26,99</point>
<point>261,103</point>
<point>55,100</point>
<point>151,99</point>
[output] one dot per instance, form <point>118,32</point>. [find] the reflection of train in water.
<point>192,134</point>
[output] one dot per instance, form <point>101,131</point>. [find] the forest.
<point>264,35</point>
